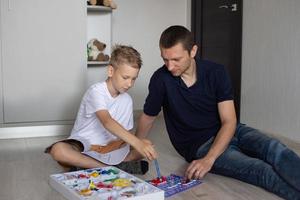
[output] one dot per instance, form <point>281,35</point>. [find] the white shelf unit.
<point>98,8</point>
<point>99,26</point>
<point>97,63</point>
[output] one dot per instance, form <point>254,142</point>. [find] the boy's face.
<point>122,77</point>
<point>177,59</point>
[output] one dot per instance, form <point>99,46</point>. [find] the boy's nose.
<point>129,83</point>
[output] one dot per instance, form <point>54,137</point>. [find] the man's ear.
<point>110,71</point>
<point>194,51</point>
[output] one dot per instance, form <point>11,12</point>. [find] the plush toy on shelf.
<point>95,50</point>
<point>107,3</point>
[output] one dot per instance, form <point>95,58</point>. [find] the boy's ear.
<point>110,71</point>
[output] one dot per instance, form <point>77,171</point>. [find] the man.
<point>197,101</point>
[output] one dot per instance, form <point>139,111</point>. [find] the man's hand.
<point>198,168</point>
<point>146,148</point>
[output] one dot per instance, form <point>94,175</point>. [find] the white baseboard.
<point>34,131</point>
<point>40,130</point>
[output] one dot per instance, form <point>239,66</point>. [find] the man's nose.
<point>170,65</point>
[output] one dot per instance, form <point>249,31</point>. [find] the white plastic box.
<point>107,183</point>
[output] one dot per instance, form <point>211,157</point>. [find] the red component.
<point>102,185</point>
<point>82,176</point>
<point>158,180</point>
<point>155,182</point>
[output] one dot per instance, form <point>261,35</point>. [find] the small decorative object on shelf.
<point>99,31</point>
<point>95,50</point>
<point>108,3</point>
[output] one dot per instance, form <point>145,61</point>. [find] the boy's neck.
<point>113,92</point>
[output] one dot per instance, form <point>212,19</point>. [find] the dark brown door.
<point>217,25</point>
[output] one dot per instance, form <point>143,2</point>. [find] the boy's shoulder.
<point>98,85</point>
<point>95,90</point>
<point>100,88</point>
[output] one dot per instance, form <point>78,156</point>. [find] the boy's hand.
<point>146,148</point>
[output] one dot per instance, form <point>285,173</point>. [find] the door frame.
<point>1,76</point>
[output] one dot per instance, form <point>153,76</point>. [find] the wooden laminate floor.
<point>24,171</point>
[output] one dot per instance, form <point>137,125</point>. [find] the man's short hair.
<point>122,54</point>
<point>177,34</point>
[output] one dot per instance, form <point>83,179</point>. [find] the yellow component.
<point>85,192</point>
<point>94,174</point>
<point>122,182</point>
<point>92,185</point>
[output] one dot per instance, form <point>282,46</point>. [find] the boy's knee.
<point>57,150</point>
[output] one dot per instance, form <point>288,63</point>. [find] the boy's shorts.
<point>111,154</point>
<point>77,145</point>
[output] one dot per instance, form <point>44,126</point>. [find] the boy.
<point>100,135</point>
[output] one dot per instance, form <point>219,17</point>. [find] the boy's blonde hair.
<point>122,54</point>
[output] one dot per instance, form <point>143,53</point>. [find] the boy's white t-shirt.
<point>88,128</point>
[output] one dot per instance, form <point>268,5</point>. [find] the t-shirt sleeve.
<point>155,98</point>
<point>95,101</point>
<point>130,121</point>
<point>126,112</point>
<point>224,90</point>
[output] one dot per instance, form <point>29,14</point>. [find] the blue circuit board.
<point>175,184</point>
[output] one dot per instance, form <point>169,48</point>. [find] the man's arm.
<point>143,147</point>
<point>144,125</point>
<point>198,168</point>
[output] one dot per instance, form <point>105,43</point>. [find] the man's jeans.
<point>257,159</point>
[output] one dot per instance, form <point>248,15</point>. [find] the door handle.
<point>233,7</point>
<point>224,6</point>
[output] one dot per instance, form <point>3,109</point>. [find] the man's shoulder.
<point>208,65</point>
<point>161,71</point>
<point>161,74</point>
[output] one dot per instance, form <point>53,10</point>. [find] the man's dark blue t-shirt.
<point>191,113</point>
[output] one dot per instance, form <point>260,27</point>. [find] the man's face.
<point>123,77</point>
<point>177,59</point>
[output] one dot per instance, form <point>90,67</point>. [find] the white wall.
<point>139,23</point>
<point>270,93</point>
<point>1,94</point>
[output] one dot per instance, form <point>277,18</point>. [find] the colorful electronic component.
<point>107,183</point>
<point>174,184</point>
